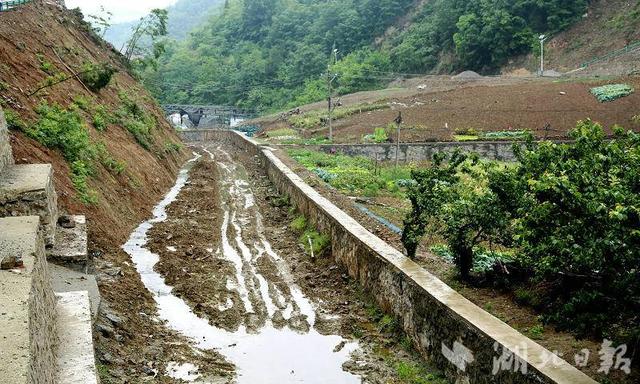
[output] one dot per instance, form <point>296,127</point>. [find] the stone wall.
<point>6,158</point>
<point>42,321</point>
<point>447,329</point>
<point>28,322</point>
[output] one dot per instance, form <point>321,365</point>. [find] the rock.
<point>66,222</point>
<point>115,319</point>
<point>105,330</point>
<point>563,93</point>
<point>10,262</point>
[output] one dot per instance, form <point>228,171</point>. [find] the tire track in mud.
<point>263,279</point>
<point>271,338</point>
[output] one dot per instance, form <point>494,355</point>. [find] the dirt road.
<point>226,271</point>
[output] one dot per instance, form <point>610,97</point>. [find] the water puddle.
<point>264,353</point>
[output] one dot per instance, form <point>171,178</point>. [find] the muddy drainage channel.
<point>276,342</point>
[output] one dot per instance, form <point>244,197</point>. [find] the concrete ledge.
<point>68,280</point>
<point>27,190</point>
<point>75,359</point>
<point>458,336</point>
<point>28,334</point>
<point>6,156</point>
<point>71,243</point>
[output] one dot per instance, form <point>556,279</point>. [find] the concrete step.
<point>71,241</point>
<point>27,190</point>
<point>28,327</point>
<point>75,358</point>
<point>64,280</point>
<point>6,157</point>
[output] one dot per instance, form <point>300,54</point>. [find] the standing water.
<point>261,353</point>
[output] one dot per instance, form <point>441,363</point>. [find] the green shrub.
<point>14,121</point>
<point>611,92</point>
<point>299,224</point>
<point>138,122</point>
<point>46,66</point>
<point>82,102</point>
<point>101,118</point>
<point>171,147</point>
<point>96,76</point>
<point>380,135</point>
<point>313,242</point>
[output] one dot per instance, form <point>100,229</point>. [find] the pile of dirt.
<point>467,75</point>
<point>38,42</point>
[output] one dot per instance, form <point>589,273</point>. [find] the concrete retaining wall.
<point>455,334</point>
<point>6,158</point>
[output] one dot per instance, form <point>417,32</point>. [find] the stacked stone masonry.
<point>447,329</point>
<point>27,190</point>
<point>28,321</point>
<point>6,157</point>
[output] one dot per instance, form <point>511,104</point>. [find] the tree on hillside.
<point>145,45</point>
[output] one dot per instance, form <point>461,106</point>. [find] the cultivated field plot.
<point>443,108</point>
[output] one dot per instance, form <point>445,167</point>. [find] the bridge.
<point>208,116</point>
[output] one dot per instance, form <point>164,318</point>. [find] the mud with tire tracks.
<point>227,272</point>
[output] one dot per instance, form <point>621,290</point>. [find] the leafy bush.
<point>611,92</point>
<point>101,118</point>
<point>96,76</point>
<point>570,211</point>
<point>138,122</point>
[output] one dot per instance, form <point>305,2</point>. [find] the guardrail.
<point>9,5</point>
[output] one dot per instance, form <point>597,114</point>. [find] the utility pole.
<point>542,38</point>
<point>398,122</point>
<point>330,79</point>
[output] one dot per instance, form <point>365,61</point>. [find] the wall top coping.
<point>526,349</point>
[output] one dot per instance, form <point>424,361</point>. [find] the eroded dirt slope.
<point>40,41</point>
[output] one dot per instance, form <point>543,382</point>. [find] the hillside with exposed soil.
<point>40,44</point>
<point>130,159</point>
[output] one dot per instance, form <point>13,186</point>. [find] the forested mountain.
<point>271,53</point>
<point>184,16</point>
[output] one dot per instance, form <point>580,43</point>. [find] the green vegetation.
<point>64,130</point>
<point>607,93</point>
<point>134,118</point>
<point>46,66</point>
<point>101,118</point>
<point>570,213</point>
<point>536,332</point>
<point>283,132</point>
<point>269,55</point>
<point>172,147</point>
<point>411,373</point>
<point>379,135</point>
<point>96,76</point>
<point>314,243</point>
<point>357,175</point>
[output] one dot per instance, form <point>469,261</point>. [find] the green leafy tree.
<point>145,44</point>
